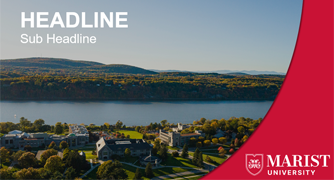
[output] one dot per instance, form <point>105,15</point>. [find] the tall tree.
<point>38,124</point>
<point>200,159</point>
<point>119,124</point>
<point>74,160</point>
<point>66,153</point>
<point>185,151</point>
<point>59,129</point>
<point>163,152</point>
<point>137,175</point>
<point>195,156</point>
<point>148,170</point>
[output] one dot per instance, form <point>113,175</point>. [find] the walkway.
<point>180,174</point>
<point>90,170</point>
<point>188,177</point>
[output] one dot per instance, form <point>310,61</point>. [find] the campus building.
<point>178,139</point>
<point>16,139</point>
<point>107,148</point>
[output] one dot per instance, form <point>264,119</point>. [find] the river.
<point>130,112</point>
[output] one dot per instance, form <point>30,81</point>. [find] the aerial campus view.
<point>125,148</point>
<point>160,95</point>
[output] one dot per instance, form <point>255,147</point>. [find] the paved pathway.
<point>12,164</point>
<point>180,174</point>
<point>90,170</point>
<point>188,177</point>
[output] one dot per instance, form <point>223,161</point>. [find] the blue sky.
<point>188,35</point>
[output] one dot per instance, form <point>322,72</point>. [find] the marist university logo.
<point>254,163</point>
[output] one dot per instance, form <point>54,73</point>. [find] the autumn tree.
<point>198,144</point>
<point>53,164</point>
<point>214,141</point>
<point>29,173</point>
<point>66,153</point>
<point>70,173</point>
<point>127,153</point>
<point>59,129</point>
<point>111,170</point>
<point>119,124</point>
<point>241,130</point>
<point>222,152</point>
<point>222,140</point>
<point>27,160</point>
<point>46,154</point>
<point>52,145</point>
<point>63,145</point>
<point>4,155</point>
<point>6,173</point>
<point>207,143</point>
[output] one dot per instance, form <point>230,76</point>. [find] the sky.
<point>192,35</point>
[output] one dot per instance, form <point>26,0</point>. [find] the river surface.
<point>130,112</point>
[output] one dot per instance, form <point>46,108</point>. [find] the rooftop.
<point>191,134</point>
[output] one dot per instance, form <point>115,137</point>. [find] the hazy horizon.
<point>188,36</point>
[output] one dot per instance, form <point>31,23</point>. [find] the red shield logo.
<point>254,163</point>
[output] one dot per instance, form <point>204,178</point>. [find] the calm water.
<point>131,113</point>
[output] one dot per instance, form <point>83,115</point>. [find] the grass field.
<point>133,134</point>
<point>173,148</point>
<point>219,160</point>
<point>157,172</point>
<point>185,177</point>
<point>130,170</point>
<point>178,161</point>
<point>89,155</point>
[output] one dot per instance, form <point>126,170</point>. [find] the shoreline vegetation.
<point>62,79</point>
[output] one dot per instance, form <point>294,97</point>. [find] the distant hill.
<point>234,72</point>
<point>238,73</point>
<point>67,66</point>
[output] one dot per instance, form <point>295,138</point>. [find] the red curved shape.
<point>300,122</point>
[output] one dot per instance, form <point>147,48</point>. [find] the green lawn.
<point>133,134</point>
<point>178,161</point>
<point>89,155</point>
<point>197,176</point>
<point>209,151</point>
<point>219,160</point>
<point>173,148</point>
<point>157,172</point>
<point>130,170</point>
<point>129,160</point>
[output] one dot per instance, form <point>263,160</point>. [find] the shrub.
<point>207,143</point>
<point>27,148</point>
<point>214,141</point>
<point>175,154</point>
<point>209,160</point>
